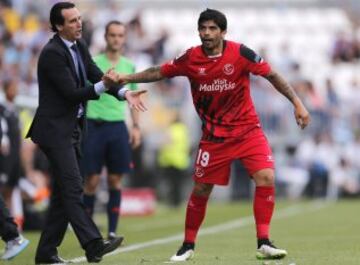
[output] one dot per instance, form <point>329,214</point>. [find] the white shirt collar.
<point>68,43</point>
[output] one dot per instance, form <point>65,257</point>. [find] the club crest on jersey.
<point>202,71</point>
<point>228,69</point>
<point>199,172</point>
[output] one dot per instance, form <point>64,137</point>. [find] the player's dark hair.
<point>56,17</point>
<point>112,22</point>
<point>214,15</point>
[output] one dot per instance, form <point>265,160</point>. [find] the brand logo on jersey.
<point>202,71</point>
<point>199,172</point>
<point>228,69</point>
<point>218,85</point>
<point>270,158</point>
<point>270,198</point>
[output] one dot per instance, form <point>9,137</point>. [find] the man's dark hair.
<point>56,17</point>
<point>214,15</point>
<point>112,22</point>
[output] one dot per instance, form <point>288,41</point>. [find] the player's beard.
<point>211,45</point>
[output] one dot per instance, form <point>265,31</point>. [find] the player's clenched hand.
<point>302,116</point>
<point>110,78</point>
<point>121,79</point>
<point>134,99</point>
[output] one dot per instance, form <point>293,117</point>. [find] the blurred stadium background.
<point>315,44</point>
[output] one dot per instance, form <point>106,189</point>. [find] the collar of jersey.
<point>215,56</point>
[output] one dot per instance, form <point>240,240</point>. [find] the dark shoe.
<point>51,260</point>
<point>96,250</point>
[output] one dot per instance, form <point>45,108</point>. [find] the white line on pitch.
<point>280,214</point>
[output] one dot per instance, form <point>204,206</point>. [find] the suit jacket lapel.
<point>58,40</point>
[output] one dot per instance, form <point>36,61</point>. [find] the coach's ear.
<point>59,27</point>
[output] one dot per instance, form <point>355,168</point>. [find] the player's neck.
<point>113,56</point>
<point>216,51</point>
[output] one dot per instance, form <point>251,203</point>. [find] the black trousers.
<point>8,229</point>
<point>66,205</point>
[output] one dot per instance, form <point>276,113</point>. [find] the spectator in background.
<point>344,180</point>
<point>108,141</point>
<point>351,104</point>
<point>174,159</point>
<point>346,48</point>
<point>139,42</point>
<point>88,31</point>
<point>342,49</point>
<point>292,174</point>
<point>316,105</point>
<point>319,155</point>
<point>15,243</point>
<point>11,145</point>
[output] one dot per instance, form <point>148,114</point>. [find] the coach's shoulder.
<point>49,50</point>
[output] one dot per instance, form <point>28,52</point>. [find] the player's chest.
<point>203,70</point>
<point>215,76</point>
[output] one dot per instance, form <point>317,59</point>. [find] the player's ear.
<point>223,33</point>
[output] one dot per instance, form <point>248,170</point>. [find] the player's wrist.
<point>297,102</point>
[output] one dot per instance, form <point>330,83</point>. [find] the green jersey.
<point>107,107</point>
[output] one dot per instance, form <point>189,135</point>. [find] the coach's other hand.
<point>134,100</point>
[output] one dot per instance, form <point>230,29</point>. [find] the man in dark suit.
<point>67,79</point>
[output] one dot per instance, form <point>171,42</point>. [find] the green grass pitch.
<point>314,233</point>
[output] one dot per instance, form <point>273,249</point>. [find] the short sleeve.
<point>254,63</point>
<point>175,67</point>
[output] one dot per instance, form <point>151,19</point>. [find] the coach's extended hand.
<point>134,100</point>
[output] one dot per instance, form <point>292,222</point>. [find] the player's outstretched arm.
<point>151,74</point>
<point>302,116</point>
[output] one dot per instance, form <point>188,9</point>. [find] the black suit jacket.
<point>60,93</point>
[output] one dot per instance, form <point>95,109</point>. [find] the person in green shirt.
<point>107,142</point>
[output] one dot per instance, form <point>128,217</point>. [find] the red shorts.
<point>213,160</point>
